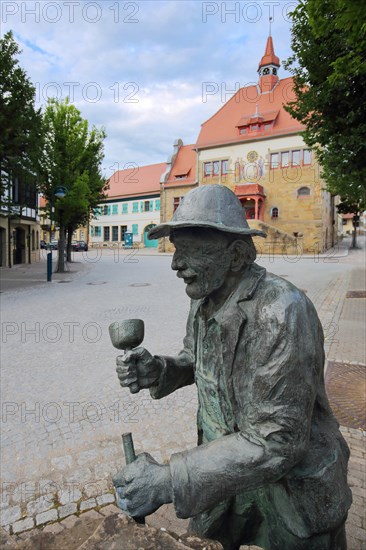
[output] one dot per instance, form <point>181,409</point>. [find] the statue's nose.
<point>177,263</point>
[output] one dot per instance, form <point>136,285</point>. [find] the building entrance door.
<point>147,242</point>
<point>250,213</point>
<point>19,246</point>
<point>2,247</point>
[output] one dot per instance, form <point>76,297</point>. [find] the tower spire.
<point>270,25</point>
<point>268,65</point>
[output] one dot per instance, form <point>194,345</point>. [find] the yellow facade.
<point>19,241</point>
<point>305,221</point>
<point>169,196</point>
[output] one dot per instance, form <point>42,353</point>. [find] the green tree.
<point>329,69</point>
<point>20,133</point>
<point>71,159</point>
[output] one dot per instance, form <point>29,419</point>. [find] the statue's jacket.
<point>285,440</point>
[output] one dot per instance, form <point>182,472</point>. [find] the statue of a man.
<point>270,467</point>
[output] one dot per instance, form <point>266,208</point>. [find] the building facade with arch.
<point>132,206</point>
<point>254,146</point>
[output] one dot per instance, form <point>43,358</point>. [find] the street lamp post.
<point>59,193</point>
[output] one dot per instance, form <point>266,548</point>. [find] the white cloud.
<point>161,61</point>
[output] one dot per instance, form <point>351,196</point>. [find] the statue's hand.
<point>143,486</point>
<point>138,367</point>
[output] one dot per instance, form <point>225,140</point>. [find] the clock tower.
<point>268,68</point>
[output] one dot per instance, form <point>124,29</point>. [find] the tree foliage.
<point>20,123</point>
<point>329,69</point>
<point>72,156</point>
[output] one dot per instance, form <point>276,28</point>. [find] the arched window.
<point>303,192</point>
<point>274,212</point>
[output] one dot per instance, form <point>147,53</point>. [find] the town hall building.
<point>253,146</point>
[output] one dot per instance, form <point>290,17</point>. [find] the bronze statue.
<point>270,467</point>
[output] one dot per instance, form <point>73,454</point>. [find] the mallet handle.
<point>130,456</point>
<point>128,447</point>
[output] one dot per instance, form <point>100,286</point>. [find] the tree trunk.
<point>70,231</point>
<point>61,249</point>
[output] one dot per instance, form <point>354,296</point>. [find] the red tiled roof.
<point>184,165</point>
<point>248,189</point>
<point>222,128</point>
<point>269,58</point>
<point>142,180</point>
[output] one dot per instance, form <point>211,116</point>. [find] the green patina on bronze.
<point>270,467</point>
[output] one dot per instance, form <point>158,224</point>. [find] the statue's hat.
<point>212,206</point>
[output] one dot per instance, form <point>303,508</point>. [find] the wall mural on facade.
<point>251,169</point>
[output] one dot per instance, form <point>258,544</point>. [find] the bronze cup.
<point>126,335</point>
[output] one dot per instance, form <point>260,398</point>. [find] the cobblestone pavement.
<point>63,411</point>
<point>346,389</point>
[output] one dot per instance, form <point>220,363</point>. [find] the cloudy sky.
<point>148,71</point>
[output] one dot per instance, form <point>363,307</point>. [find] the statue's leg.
<point>229,524</point>
<point>280,539</point>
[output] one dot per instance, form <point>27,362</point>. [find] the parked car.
<point>53,245</point>
<point>79,245</point>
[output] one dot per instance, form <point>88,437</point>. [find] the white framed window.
<point>274,160</point>
<point>295,157</point>
<point>285,158</point>
<point>207,169</point>
<point>274,212</point>
<point>307,156</point>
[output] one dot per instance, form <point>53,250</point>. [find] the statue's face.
<point>201,259</point>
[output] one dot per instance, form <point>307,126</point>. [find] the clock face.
<point>274,71</point>
<point>252,156</point>
<point>266,70</point>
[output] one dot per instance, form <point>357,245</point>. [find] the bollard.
<point>49,267</point>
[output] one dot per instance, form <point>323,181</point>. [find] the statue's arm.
<point>274,419</point>
<point>178,371</point>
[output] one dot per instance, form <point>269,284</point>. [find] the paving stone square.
<point>64,412</point>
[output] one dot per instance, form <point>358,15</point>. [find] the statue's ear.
<point>238,255</point>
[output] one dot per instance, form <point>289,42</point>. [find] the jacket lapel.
<point>234,319</point>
